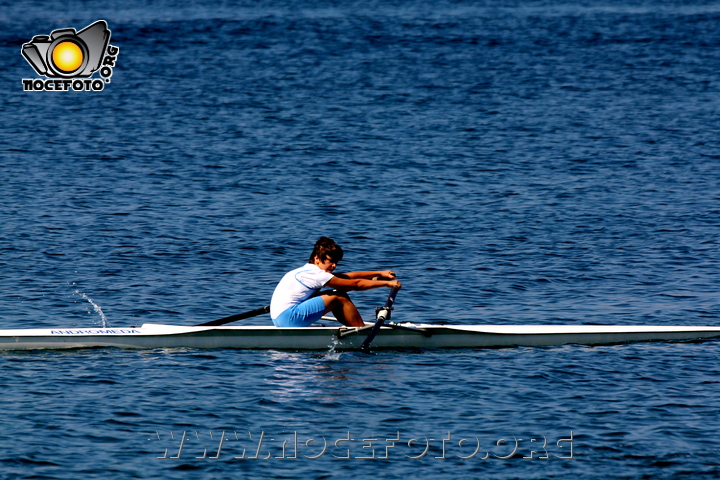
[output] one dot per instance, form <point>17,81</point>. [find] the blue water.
<point>515,162</point>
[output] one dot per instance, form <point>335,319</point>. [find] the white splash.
<point>96,307</point>
<point>332,354</point>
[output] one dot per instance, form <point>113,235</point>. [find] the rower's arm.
<point>389,274</point>
<point>360,283</point>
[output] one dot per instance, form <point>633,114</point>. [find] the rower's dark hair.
<point>326,248</point>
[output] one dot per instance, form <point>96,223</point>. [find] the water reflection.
<point>329,378</point>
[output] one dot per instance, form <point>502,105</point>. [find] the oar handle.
<point>391,298</point>
<point>383,315</point>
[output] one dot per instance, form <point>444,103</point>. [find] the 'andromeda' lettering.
<point>115,331</point>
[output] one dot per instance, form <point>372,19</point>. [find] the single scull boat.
<point>343,338</point>
<point>383,334</point>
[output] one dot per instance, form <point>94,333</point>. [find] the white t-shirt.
<point>297,286</point>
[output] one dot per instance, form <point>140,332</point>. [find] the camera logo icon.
<point>66,53</point>
<point>68,59</point>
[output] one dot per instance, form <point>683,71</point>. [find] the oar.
<point>236,317</point>
<point>383,314</point>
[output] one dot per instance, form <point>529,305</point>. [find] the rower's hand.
<point>388,274</point>
<point>394,284</point>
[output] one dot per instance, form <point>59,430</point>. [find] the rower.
<point>298,302</point>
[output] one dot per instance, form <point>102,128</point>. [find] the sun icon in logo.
<point>67,56</point>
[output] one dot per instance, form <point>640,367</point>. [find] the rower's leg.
<point>344,310</point>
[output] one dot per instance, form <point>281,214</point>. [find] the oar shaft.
<point>236,317</point>
<point>383,315</point>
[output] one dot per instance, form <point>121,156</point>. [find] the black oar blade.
<point>382,316</point>
<point>236,317</point>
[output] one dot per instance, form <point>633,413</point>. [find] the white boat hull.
<point>340,338</point>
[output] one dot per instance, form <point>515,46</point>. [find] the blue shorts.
<point>301,315</point>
